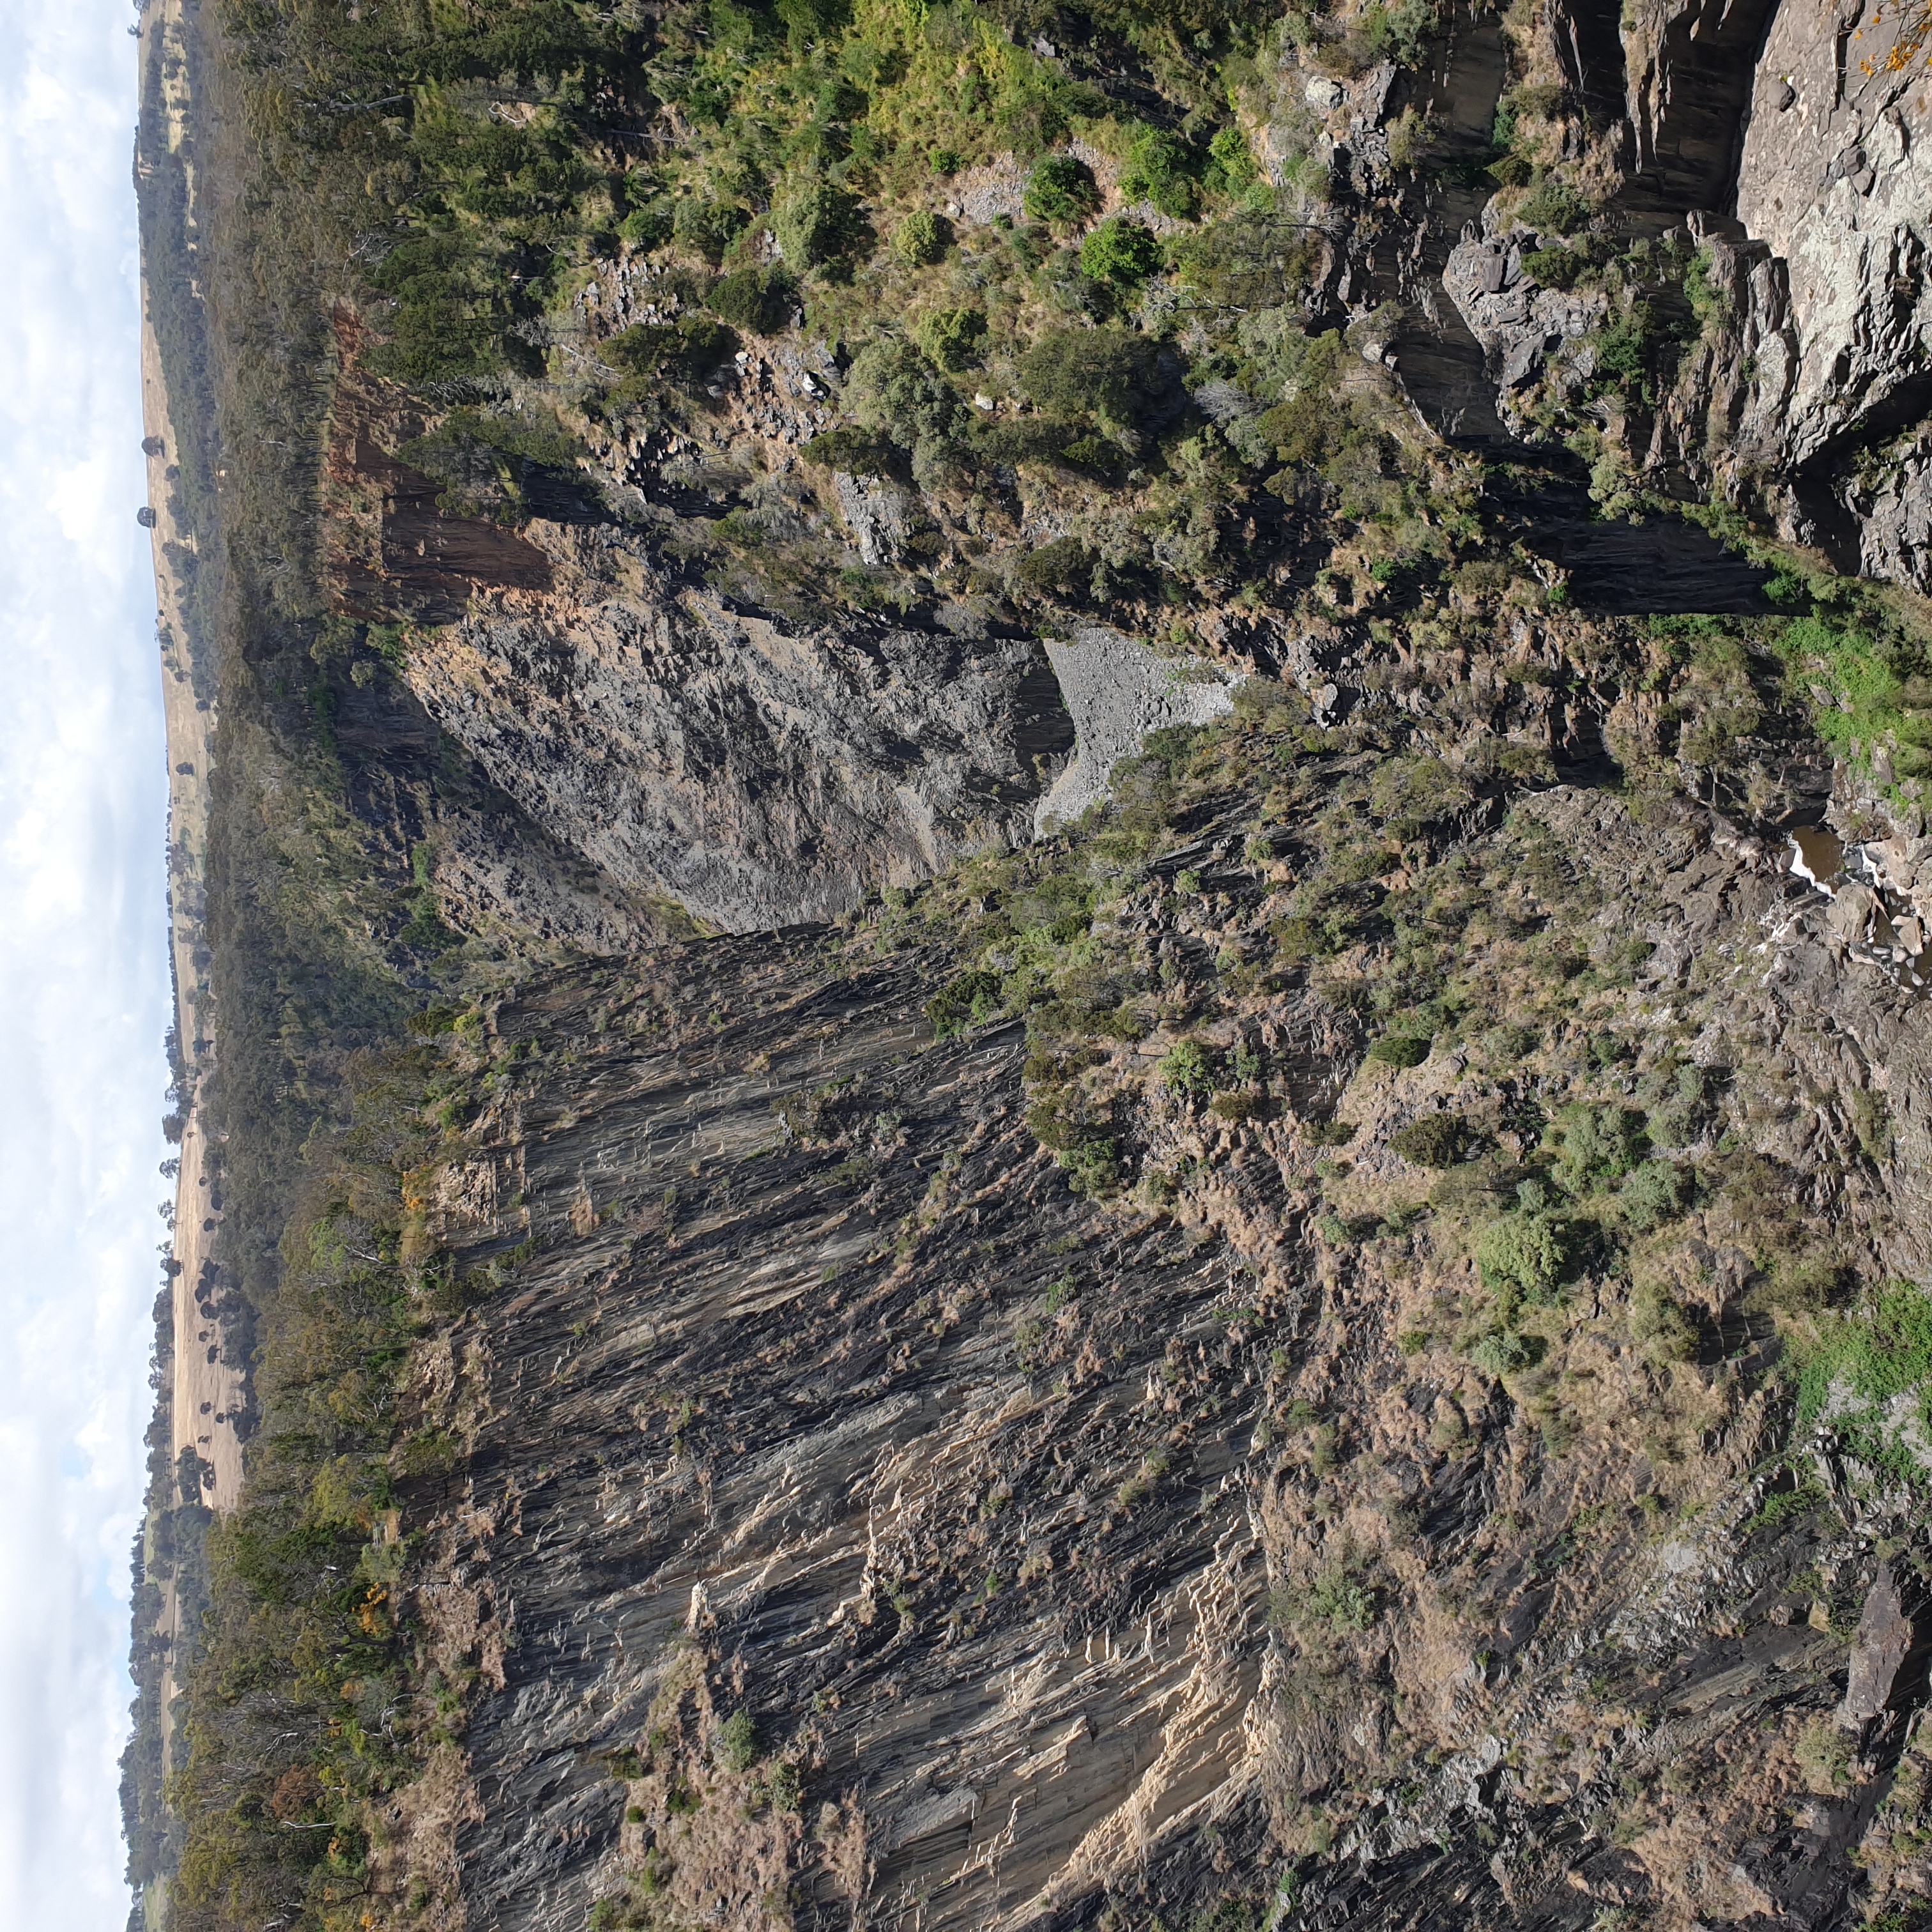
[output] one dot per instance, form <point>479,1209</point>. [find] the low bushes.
<point>1060,190</point>
<point>1436,1140</point>
<point>1399,1050</point>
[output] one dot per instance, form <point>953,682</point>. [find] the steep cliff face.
<point>1072,1091</point>
<point>1780,140</point>
<point>827,1403</point>
<point>748,768</point>
<point>755,772</point>
<point>1069,1557</point>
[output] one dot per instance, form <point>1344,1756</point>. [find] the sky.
<point>84,991</point>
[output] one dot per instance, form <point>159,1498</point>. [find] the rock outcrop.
<point>1069,1554</point>
<point>749,1435</point>
<point>1781,140</point>
<point>1092,1118</point>
<point>755,772</point>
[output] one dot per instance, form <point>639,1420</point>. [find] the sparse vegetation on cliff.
<point>1364,1265</point>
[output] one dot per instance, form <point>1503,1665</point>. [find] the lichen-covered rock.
<point>1888,1644</point>
<point>1527,333</point>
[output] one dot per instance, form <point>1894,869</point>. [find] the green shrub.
<point>970,1001</point>
<point>759,300</point>
<point>1597,1143</point>
<point>1652,1194</point>
<point>859,451</point>
<point>1399,30</point>
<point>819,225</point>
<point>1312,431</point>
<point>1865,1361</point>
<point>641,351</point>
<point>1623,345</point>
<point>1160,169</point>
<point>738,1743</point>
<point>1553,206</point>
<point>1063,569</point>
<point>1119,252</point>
<point>1399,1050</point>
<point>1337,1598</point>
<point>447,323</point>
<point>1187,1070</point>
<point>1505,1352</point>
<point>950,337</point>
<point>1808,1281</point>
<point>1671,1120</point>
<point>650,226</point>
<point>1554,267</point>
<point>1436,1140</point>
<point>1823,1753</point>
<point>1709,303</point>
<point>1077,374</point>
<point>1236,1108</point>
<point>809,22</point>
<point>1092,452</point>
<point>1092,1166</point>
<point>1865,691</point>
<point>1528,1252</point>
<point>923,238</point>
<point>487,465</point>
<point>1659,1326</point>
<point>1231,163</point>
<point>1249,262</point>
<point>709,227</point>
<point>1060,190</point>
<point>893,388</point>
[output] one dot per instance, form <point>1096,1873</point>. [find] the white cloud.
<point>83,972</point>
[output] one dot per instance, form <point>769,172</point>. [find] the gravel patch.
<point>1117,691</point>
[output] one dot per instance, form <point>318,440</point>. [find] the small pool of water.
<point>1819,855</point>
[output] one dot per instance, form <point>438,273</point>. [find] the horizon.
<point>85,997</point>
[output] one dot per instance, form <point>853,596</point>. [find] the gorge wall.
<point>1068,888</point>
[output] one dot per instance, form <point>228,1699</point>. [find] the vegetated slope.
<point>1327,1341</point>
<point>1324,1338</point>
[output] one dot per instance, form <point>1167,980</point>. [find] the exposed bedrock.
<point>1686,69</point>
<point>1779,133</point>
<point>811,1392</point>
<point>1833,178</point>
<point>756,775</point>
<point>826,1382</point>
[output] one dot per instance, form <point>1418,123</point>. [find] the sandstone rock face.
<point>1687,80</point>
<point>1889,496</point>
<point>755,774</point>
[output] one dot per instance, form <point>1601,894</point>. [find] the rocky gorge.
<point>1068,887</point>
